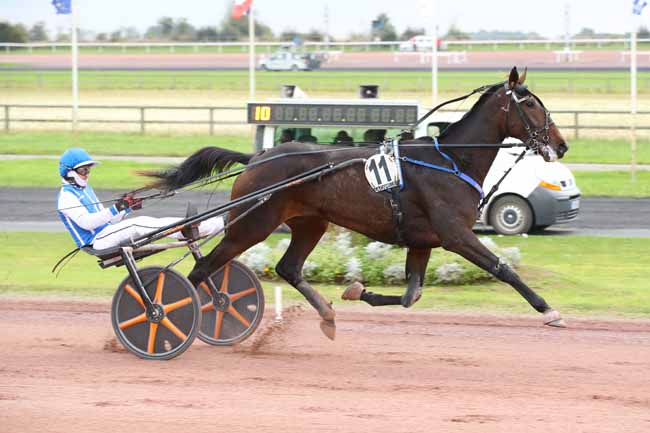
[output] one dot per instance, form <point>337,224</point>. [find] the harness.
<point>533,143</point>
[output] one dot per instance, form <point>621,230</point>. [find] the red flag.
<point>240,8</point>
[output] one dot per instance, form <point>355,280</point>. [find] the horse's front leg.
<point>416,266</point>
<point>464,242</point>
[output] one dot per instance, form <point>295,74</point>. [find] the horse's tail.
<point>199,165</point>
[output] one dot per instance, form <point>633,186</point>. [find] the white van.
<point>535,195</point>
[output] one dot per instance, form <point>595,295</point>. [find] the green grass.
<point>588,82</point>
<point>613,183</point>
<point>107,143</point>
<point>44,173</point>
<point>606,151</point>
<point>602,151</point>
<point>577,275</point>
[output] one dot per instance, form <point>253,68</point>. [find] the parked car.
<point>420,43</point>
<point>291,61</point>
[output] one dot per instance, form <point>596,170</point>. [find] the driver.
<point>91,224</point>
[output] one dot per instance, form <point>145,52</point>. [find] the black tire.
<point>511,215</point>
<point>236,316</point>
<point>294,68</point>
<point>265,68</point>
<point>177,328</point>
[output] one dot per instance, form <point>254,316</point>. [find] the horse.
<point>439,209</point>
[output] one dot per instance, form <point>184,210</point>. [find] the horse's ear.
<point>514,78</point>
<point>522,77</point>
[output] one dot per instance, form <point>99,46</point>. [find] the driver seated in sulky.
<point>91,224</point>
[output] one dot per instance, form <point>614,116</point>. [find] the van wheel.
<point>511,215</point>
<point>294,68</point>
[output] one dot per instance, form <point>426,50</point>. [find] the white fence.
<point>269,46</point>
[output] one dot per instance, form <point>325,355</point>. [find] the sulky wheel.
<point>238,309</point>
<point>173,330</point>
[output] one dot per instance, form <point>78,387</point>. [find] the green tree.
<point>410,32</point>
<point>643,33</point>
<point>15,33</point>
<point>38,33</point>
<point>207,34</point>
<point>455,33</point>
<point>382,29</point>
<point>183,31</point>
<point>237,30</point>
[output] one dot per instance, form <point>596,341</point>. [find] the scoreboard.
<point>332,114</point>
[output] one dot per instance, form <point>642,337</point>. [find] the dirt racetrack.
<point>388,371</point>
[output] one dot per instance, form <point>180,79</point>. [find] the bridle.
<point>538,138</point>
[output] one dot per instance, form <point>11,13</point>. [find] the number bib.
<point>382,172</point>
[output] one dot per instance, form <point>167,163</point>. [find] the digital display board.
<point>278,113</point>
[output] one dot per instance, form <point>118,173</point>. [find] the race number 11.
<point>381,172</point>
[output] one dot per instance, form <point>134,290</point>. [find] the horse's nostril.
<point>562,148</point>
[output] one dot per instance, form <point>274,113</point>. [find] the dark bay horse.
<point>439,209</point>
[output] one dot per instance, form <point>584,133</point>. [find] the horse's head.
<point>528,120</point>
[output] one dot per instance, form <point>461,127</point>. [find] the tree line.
<point>180,30</point>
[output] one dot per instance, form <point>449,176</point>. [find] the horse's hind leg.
<point>416,266</point>
<point>305,234</point>
<point>467,245</point>
<point>238,238</point>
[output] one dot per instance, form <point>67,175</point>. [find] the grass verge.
<point>43,173</point>
<point>600,151</point>
<point>588,82</point>
<point>577,275</point>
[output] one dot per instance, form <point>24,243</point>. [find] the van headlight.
<point>551,186</point>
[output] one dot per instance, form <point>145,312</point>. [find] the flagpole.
<point>434,56</point>
<point>251,53</point>
<point>75,55</point>
<point>633,100</point>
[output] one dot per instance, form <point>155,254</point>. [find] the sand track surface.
<point>389,370</point>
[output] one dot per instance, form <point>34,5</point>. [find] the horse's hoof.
<point>329,328</point>
<point>408,300</point>
<point>353,292</point>
<point>553,318</point>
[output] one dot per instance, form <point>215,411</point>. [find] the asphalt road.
<point>34,210</point>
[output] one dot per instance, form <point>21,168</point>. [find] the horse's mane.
<point>476,107</point>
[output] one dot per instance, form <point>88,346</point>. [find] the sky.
<point>545,17</point>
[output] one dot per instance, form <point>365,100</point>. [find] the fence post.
<point>141,120</point>
<point>211,121</point>
<point>6,118</point>
<point>576,125</point>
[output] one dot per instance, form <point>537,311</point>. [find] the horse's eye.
<point>530,103</point>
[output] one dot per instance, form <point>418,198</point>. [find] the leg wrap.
<point>376,299</point>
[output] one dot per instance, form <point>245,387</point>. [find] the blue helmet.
<point>74,158</point>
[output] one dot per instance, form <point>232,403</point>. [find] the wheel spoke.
<point>137,319</point>
<point>241,294</point>
<point>157,299</point>
<point>238,316</point>
<point>177,332</point>
<point>226,275</point>
<point>176,305</point>
<point>217,324</point>
<point>205,288</point>
<point>153,330</point>
<point>131,291</point>
<point>207,307</point>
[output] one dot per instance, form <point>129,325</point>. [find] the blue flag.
<point>62,6</point>
<point>637,7</point>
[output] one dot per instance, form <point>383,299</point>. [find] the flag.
<point>240,8</point>
<point>62,6</point>
<point>637,7</point>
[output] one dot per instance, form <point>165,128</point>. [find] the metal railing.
<point>212,116</point>
<point>342,45</point>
